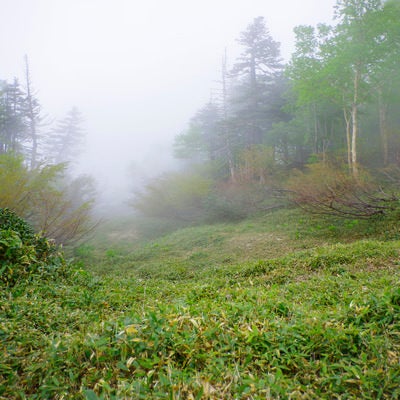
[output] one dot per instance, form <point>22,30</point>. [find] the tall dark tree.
<point>13,129</point>
<point>250,101</point>
<point>255,71</point>
<point>261,55</point>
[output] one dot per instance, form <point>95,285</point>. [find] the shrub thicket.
<point>24,254</point>
<point>54,204</point>
<point>193,198</point>
<point>328,189</point>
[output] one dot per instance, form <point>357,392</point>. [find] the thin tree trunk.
<point>254,136</point>
<point>383,128</point>
<point>31,115</point>
<point>231,164</point>
<point>348,136</point>
<point>285,150</point>
<point>354,135</point>
<point>232,169</point>
<point>315,129</point>
<point>354,122</point>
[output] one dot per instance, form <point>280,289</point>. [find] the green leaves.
<point>24,254</point>
<point>179,196</point>
<point>318,324</point>
<point>55,205</point>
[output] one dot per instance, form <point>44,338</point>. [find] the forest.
<point>321,131</point>
<point>266,265</point>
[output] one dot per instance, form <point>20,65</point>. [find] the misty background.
<point>136,70</point>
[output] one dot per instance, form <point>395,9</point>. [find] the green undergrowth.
<point>260,238</point>
<point>321,322</point>
<point>25,255</point>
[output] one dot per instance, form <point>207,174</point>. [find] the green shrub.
<point>175,196</point>
<point>48,198</point>
<point>9,220</point>
<point>22,252</point>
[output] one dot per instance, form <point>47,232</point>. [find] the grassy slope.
<point>270,236</point>
<point>271,307</point>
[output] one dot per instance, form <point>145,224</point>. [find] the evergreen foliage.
<point>64,143</point>
<point>35,181</point>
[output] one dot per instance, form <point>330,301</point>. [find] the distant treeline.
<point>330,113</point>
<point>35,153</point>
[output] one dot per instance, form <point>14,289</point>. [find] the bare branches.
<point>329,191</point>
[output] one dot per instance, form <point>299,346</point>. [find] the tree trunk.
<point>232,170</point>
<point>348,136</point>
<point>354,123</point>
<point>315,129</point>
<point>31,115</point>
<point>354,135</point>
<point>285,150</point>
<point>383,128</point>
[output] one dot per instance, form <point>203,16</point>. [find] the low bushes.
<point>48,198</point>
<point>24,253</point>
<point>330,190</point>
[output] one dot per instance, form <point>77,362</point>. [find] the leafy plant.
<point>10,221</point>
<point>278,328</point>
<point>23,253</point>
<point>179,196</point>
<point>54,205</point>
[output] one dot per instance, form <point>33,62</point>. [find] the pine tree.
<point>255,71</point>
<point>66,139</point>
<point>13,129</point>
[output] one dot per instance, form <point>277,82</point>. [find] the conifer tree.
<point>13,129</point>
<point>66,140</point>
<point>255,71</point>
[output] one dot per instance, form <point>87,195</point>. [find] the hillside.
<point>283,306</point>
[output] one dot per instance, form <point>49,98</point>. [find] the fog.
<point>138,71</point>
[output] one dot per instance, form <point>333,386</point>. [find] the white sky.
<point>138,70</point>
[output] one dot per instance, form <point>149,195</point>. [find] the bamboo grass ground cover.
<point>320,323</point>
